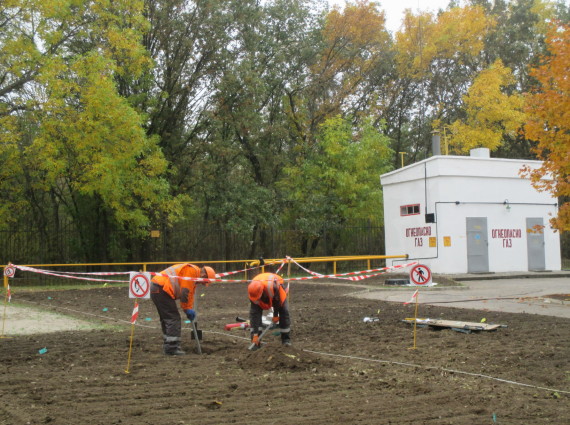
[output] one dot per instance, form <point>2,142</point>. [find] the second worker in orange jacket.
<point>265,291</point>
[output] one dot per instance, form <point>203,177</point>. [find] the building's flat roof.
<point>465,166</point>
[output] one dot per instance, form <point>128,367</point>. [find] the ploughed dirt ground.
<point>340,368</point>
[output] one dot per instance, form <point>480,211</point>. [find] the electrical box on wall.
<point>430,218</point>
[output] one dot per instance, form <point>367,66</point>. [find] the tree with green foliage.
<point>76,149</point>
<point>337,181</point>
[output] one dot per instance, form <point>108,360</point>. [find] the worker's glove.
<point>274,322</point>
<point>190,314</point>
<point>255,340</point>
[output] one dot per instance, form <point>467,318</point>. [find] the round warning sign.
<point>420,275</point>
<point>9,271</point>
<point>139,286</point>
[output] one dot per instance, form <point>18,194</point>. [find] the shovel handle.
<point>267,329</point>
<point>195,331</point>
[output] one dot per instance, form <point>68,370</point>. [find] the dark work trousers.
<point>256,313</point>
<point>284,320</point>
<point>170,321</point>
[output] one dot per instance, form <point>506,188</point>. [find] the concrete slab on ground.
<point>20,320</point>
<point>511,293</point>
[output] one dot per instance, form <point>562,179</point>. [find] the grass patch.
<point>62,286</point>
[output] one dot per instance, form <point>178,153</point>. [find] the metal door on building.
<point>477,245</point>
<point>535,244</point>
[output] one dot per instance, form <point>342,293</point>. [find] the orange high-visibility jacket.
<point>273,284</point>
<point>179,289</point>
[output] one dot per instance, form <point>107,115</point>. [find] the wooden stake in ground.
<point>6,301</point>
<point>414,296</point>
<point>289,279</point>
<point>133,321</point>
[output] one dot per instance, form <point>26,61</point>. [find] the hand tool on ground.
<point>269,327</point>
<point>194,326</point>
<point>241,324</point>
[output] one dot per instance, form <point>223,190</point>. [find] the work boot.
<point>176,352</point>
<point>173,349</point>
<point>285,340</point>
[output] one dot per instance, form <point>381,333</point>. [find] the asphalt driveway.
<point>544,294</point>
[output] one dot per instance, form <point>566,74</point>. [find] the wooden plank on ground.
<point>456,325</point>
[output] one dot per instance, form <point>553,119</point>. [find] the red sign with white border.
<point>139,286</point>
<point>420,275</point>
<point>10,271</point>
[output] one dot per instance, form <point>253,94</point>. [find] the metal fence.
<point>208,242</point>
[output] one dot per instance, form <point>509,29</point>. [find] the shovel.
<point>268,328</point>
<point>195,331</point>
<point>196,337</point>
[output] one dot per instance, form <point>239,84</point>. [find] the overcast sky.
<point>395,9</point>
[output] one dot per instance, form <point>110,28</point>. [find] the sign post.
<point>139,287</point>
<point>134,317</point>
<point>9,272</point>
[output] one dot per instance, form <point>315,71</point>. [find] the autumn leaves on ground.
<point>340,369</point>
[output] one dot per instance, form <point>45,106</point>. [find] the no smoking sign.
<point>420,275</point>
<point>139,285</point>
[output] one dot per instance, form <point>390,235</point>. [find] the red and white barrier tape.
<point>382,270</point>
<point>67,274</point>
<point>352,276</point>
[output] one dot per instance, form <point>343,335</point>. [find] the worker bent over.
<point>265,291</point>
<point>164,293</point>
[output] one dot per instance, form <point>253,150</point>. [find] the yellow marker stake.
<point>5,306</point>
<point>289,279</point>
<point>415,321</point>
<point>131,343</point>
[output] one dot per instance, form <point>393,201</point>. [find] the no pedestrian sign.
<point>420,275</point>
<point>139,286</point>
<point>9,271</point>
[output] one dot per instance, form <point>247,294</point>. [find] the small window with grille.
<point>410,209</point>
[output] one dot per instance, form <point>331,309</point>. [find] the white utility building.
<point>470,214</point>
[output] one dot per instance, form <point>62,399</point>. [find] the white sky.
<point>395,9</point>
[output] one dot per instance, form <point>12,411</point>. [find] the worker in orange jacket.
<point>166,290</point>
<point>266,291</point>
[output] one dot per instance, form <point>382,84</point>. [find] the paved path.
<point>512,295</point>
<point>22,320</point>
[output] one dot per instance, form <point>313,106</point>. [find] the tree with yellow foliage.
<point>548,111</point>
<point>73,147</point>
<point>491,114</point>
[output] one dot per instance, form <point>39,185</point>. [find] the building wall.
<point>454,188</point>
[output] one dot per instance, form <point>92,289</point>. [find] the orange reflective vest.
<point>273,284</point>
<point>179,289</point>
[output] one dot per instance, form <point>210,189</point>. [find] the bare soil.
<point>340,368</point>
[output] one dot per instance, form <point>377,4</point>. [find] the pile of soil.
<point>340,369</point>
